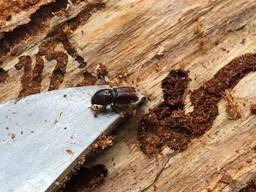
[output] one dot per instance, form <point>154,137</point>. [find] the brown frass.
<point>251,187</point>
<point>86,178</point>
<point>25,62</point>
<point>88,79</point>
<point>169,125</point>
<point>32,77</point>
<point>102,143</point>
<point>253,109</point>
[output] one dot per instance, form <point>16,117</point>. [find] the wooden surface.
<point>20,17</point>
<point>198,35</point>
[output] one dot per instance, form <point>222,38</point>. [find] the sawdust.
<point>101,71</point>
<point>26,63</point>
<point>31,79</point>
<point>232,106</point>
<point>253,109</point>
<point>88,79</point>
<point>169,125</point>
<point>69,151</point>
<point>104,142</point>
<point>13,136</point>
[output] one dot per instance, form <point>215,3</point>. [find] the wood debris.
<point>232,107</point>
<point>102,143</point>
<point>253,109</point>
<point>70,152</point>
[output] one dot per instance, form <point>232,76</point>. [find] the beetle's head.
<point>103,97</point>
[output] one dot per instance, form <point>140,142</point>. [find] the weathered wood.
<point>201,36</point>
<point>21,17</point>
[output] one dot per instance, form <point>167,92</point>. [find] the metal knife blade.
<point>37,131</point>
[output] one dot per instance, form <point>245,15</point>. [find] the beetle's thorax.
<point>103,97</point>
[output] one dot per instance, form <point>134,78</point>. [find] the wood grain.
<point>198,35</point>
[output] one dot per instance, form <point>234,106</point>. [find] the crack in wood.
<point>158,174</point>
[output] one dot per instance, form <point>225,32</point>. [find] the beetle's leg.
<point>120,108</point>
<point>114,108</point>
<point>104,108</point>
<point>117,108</point>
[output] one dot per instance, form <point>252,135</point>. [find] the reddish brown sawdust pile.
<point>86,179</point>
<point>32,78</point>
<point>3,75</point>
<point>251,187</point>
<point>253,109</point>
<point>168,125</point>
<point>26,63</point>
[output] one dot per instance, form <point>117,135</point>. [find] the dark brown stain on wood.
<point>86,178</point>
<point>251,187</point>
<point>88,79</point>
<point>253,109</point>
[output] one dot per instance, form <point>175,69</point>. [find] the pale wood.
<point>129,34</point>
